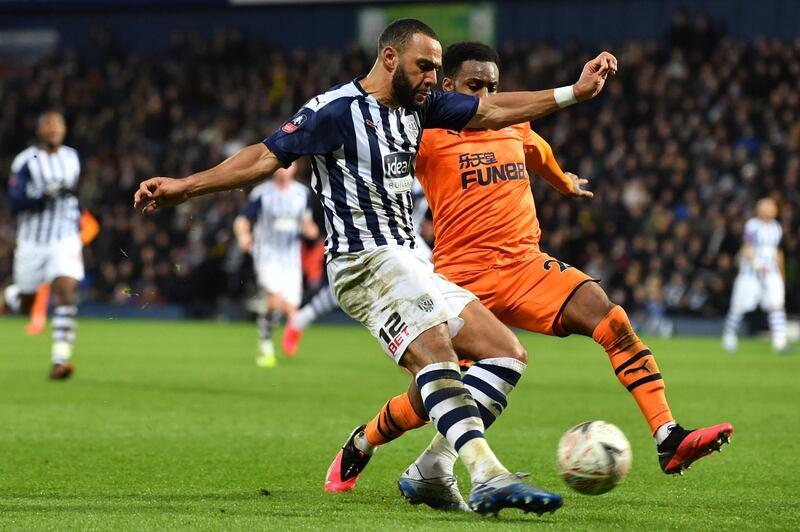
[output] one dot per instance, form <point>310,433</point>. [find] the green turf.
<point>171,425</point>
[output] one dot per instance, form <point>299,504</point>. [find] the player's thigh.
<point>394,295</point>
<point>65,259</point>
<point>774,295</point>
<point>484,336</point>
<point>29,268</point>
<point>536,291</point>
<point>282,286</point>
<point>746,294</point>
<point>587,306</point>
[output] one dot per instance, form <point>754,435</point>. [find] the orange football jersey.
<point>478,189</point>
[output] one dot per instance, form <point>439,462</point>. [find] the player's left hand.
<point>160,192</point>
<point>593,77</point>
<point>577,183</point>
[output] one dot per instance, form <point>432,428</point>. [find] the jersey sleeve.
<point>19,193</point>
<point>539,157</point>
<point>449,110</point>
<point>309,132</point>
<point>252,210</point>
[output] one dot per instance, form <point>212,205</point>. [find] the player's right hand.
<point>593,77</point>
<point>160,192</point>
<point>577,183</point>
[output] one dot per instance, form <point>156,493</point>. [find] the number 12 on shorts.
<point>394,332</point>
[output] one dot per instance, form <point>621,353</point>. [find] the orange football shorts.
<point>529,293</point>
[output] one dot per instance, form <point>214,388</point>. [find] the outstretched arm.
<point>247,166</point>
<point>500,110</point>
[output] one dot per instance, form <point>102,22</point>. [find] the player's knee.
<point>518,351</point>
<point>416,360</point>
<point>65,290</point>
<point>431,347</point>
<point>586,309</point>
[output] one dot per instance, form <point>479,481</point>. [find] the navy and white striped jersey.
<point>362,156</point>
<point>43,193</point>
<point>764,237</point>
<point>276,215</point>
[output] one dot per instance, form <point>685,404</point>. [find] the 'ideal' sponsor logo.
<point>397,165</point>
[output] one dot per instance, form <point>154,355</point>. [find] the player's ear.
<point>390,57</point>
<point>448,85</point>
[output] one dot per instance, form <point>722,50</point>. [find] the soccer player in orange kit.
<point>487,241</point>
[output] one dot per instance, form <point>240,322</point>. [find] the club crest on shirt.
<point>410,123</point>
<point>294,124</point>
<point>425,303</point>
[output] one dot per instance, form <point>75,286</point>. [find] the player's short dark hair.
<point>398,33</point>
<point>457,53</point>
<point>49,111</point>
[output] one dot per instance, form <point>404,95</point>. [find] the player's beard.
<point>404,91</point>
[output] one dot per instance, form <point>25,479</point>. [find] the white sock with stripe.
<point>489,382</point>
<point>777,327</point>
<point>64,323</point>
<point>455,414</point>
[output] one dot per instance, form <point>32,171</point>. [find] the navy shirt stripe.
<point>351,234</point>
<point>377,173</point>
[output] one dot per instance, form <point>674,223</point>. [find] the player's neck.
<point>49,148</point>
<point>378,84</point>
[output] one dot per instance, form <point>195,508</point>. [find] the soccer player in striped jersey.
<point>362,138</point>
<point>43,193</point>
<point>271,228</point>
<point>473,180</point>
<point>760,281</point>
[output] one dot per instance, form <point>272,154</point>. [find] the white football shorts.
<point>35,264</point>
<point>394,292</point>
<point>275,278</point>
<point>752,290</point>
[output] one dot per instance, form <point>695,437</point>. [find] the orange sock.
<point>395,418</point>
<point>39,310</point>
<point>634,366</point>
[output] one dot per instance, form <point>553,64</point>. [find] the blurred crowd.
<point>692,131</point>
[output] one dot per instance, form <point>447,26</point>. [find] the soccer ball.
<point>593,457</point>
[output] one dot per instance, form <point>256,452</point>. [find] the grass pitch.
<point>171,425</point>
